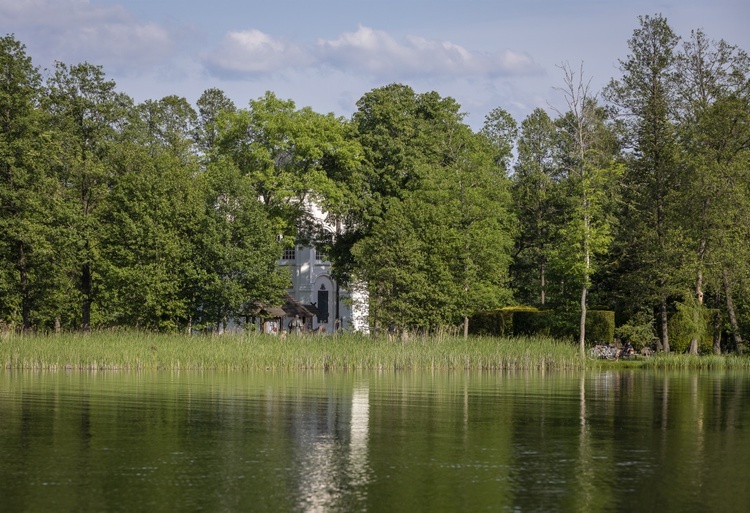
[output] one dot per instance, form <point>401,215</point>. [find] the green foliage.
<point>127,228</point>
<point>600,326</point>
<point>158,216</point>
<point>87,117</point>
<point>437,249</point>
<point>639,330</point>
<point>498,322</point>
<point>285,154</point>
<point>29,193</point>
<point>538,203</point>
<point>146,249</point>
<point>407,287</point>
<point>512,321</point>
<point>234,255</point>
<point>691,320</point>
<point>211,106</point>
<point>714,127</point>
<point>527,322</point>
<point>501,131</point>
<point>651,241</point>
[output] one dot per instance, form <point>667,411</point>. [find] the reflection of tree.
<point>640,441</point>
<point>587,481</point>
<point>593,485</point>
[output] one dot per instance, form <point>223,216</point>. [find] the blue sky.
<point>328,53</point>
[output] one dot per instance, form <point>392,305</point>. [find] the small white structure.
<point>312,284</point>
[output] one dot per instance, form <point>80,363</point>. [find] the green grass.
<point>138,350</point>
<point>686,361</point>
<point>252,352</point>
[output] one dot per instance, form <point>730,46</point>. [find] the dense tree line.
<point>116,214</point>
<point>163,216</point>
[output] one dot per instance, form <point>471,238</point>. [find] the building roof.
<point>274,312</point>
<point>293,307</point>
<point>290,308</point>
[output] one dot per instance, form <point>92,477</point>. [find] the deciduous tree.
<point>591,173</point>
<point>713,102</point>
<point>27,191</point>
<point>537,205</point>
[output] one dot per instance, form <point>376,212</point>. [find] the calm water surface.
<point>381,441</point>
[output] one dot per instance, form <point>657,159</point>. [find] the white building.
<point>312,284</point>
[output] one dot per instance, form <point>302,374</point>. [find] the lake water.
<point>381,441</point>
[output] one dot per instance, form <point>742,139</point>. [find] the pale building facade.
<point>312,284</point>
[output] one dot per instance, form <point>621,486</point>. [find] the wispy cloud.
<point>379,53</point>
<point>75,30</point>
<point>372,52</point>
<point>253,52</point>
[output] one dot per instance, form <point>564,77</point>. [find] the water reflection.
<point>381,441</point>
<point>332,477</point>
<point>358,468</point>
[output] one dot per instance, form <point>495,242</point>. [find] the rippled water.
<point>381,441</point>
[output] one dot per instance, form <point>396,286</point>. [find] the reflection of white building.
<point>312,284</point>
<point>328,472</point>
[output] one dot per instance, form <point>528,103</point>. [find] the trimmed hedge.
<point>511,321</point>
<point>600,326</point>
<point>492,323</point>
<point>528,320</point>
<point>532,322</point>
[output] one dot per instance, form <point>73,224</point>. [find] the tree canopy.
<point>167,216</point>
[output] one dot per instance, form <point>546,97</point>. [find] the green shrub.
<point>519,321</point>
<point>492,322</point>
<point>639,330</point>
<point>691,320</point>
<point>565,323</point>
<point>600,326</point>
<point>529,321</point>
<point>510,321</point>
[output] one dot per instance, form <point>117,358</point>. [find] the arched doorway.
<point>325,303</point>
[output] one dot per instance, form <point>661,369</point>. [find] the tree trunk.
<point>699,297</point>
<point>582,340</point>
<point>664,325</point>
<point>466,326</point>
<point>716,318</point>
<point>542,272</point>
<point>86,290</point>
<point>25,296</point>
<point>732,317</point>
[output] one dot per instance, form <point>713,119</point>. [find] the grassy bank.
<point>686,361</point>
<point>131,350</point>
<point>253,352</point>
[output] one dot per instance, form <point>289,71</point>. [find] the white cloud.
<point>372,52</point>
<point>379,53</point>
<point>253,52</point>
<point>75,30</point>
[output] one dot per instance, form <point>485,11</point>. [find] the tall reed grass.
<point>708,362</point>
<point>142,350</point>
<point>136,350</point>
